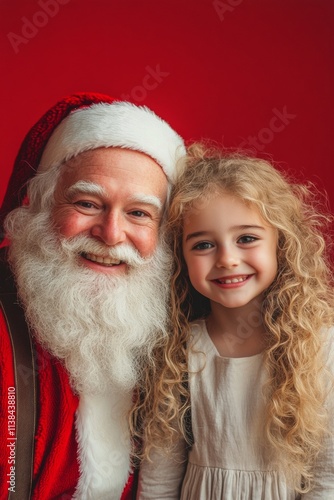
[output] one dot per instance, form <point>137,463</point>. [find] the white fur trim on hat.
<point>120,124</point>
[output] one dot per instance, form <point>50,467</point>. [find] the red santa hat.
<point>86,121</point>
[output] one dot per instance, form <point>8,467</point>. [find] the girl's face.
<point>230,251</point>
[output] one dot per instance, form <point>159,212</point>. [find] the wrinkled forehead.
<point>109,168</point>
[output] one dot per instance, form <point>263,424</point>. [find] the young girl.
<point>252,276</point>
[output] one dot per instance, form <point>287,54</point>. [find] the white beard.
<point>102,327</point>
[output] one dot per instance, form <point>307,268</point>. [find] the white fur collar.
<point>104,445</point>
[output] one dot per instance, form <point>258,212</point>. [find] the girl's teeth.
<point>233,280</point>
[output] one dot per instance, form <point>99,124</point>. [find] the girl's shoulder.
<point>198,326</point>
<point>198,331</point>
<point>328,346</point>
<point>327,336</point>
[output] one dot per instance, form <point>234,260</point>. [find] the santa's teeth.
<point>102,260</point>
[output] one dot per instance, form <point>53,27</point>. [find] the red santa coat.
<point>56,464</point>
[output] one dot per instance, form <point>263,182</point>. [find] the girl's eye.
<point>247,239</point>
<point>203,245</point>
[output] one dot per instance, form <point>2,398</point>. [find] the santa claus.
<point>91,272</point>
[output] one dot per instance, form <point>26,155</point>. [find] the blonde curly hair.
<point>297,308</point>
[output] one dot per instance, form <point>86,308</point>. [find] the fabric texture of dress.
<point>229,459</point>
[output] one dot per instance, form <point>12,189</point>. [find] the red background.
<point>214,69</point>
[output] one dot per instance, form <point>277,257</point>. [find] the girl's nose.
<point>227,257</point>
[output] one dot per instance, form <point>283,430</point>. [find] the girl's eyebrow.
<point>195,235</point>
<point>243,227</point>
<point>248,226</point>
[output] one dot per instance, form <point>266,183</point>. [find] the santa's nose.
<point>110,228</point>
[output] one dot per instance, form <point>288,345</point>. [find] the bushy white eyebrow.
<point>148,199</point>
<point>87,188</point>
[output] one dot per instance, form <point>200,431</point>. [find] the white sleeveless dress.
<point>229,459</point>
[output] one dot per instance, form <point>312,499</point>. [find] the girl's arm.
<point>162,477</point>
<point>324,467</point>
<point>324,472</point>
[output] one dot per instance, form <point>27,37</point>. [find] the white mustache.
<point>83,244</point>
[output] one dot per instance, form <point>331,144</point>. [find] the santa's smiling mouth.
<point>105,261</point>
